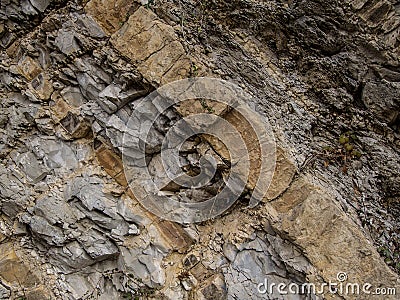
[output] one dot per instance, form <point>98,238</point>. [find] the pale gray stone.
<point>40,5</point>
<point>66,42</point>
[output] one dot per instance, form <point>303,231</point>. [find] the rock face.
<point>325,75</point>
<point>153,46</point>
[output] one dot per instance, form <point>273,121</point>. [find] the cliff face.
<point>323,74</point>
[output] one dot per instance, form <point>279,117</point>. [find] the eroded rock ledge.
<point>324,74</point>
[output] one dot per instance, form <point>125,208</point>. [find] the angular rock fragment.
<point>66,42</point>
<point>70,257</point>
<point>112,98</point>
<point>382,98</point>
<point>56,210</point>
<point>74,125</point>
<point>90,26</point>
<point>41,87</point>
<point>29,68</point>
<point>40,5</point>
<point>97,246</point>
<point>31,166</point>
<point>73,96</point>
<point>50,234</point>
<point>57,155</point>
<point>110,161</point>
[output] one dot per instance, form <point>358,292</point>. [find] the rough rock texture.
<point>324,73</point>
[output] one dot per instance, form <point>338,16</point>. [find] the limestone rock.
<point>29,68</point>
<point>41,87</point>
<point>31,166</point>
<point>66,42</point>
<point>73,96</point>
<point>40,5</point>
<point>27,8</point>
<point>320,227</point>
<point>70,225</point>
<point>382,98</point>
<point>70,257</point>
<point>283,175</point>
<point>152,46</point>
<point>13,270</point>
<point>161,61</point>
<point>50,234</point>
<point>75,125</point>
<point>110,15</point>
<point>113,98</point>
<point>97,246</point>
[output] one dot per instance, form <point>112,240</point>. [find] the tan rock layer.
<point>332,242</point>
<point>173,233</point>
<point>153,46</point>
<point>15,273</point>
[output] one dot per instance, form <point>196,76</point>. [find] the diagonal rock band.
<point>169,184</point>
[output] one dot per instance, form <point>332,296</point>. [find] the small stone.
<point>133,229</point>
<point>189,282</point>
<point>74,125</point>
<point>40,5</point>
<point>66,42</point>
<point>34,253</point>
<point>41,87</point>
<point>31,166</point>
<point>29,68</point>
<point>73,96</point>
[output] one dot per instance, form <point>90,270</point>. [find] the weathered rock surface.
<point>154,46</point>
<point>325,74</point>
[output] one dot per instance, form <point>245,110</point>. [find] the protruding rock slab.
<point>283,175</point>
<point>18,274</point>
<point>153,46</point>
<point>330,239</point>
<point>29,68</point>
